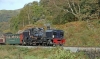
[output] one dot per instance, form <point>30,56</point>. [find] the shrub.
<point>60,53</point>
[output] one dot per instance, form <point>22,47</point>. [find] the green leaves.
<point>56,12</point>
<point>29,14</point>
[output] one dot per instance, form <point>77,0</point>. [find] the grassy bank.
<point>81,33</point>
<point>12,52</point>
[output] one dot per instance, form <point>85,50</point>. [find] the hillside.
<point>81,33</point>
<point>6,15</point>
<point>78,33</point>
<point>79,19</point>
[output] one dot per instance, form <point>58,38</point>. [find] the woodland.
<point>56,12</point>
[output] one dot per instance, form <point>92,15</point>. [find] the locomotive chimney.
<point>48,27</point>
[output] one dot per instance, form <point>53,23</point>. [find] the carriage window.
<point>17,36</point>
<point>12,36</point>
<point>9,36</point>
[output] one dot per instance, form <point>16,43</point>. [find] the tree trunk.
<point>23,22</point>
<point>28,18</point>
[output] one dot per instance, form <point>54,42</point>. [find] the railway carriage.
<point>12,39</point>
<point>2,39</point>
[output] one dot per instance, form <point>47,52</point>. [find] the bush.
<point>61,53</point>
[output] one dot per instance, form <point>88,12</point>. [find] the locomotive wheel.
<point>49,43</point>
<point>30,44</point>
<point>37,44</point>
<point>54,45</point>
<point>23,43</point>
<point>40,44</point>
<point>43,44</point>
<point>61,44</point>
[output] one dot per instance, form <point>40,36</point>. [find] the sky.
<point>13,4</point>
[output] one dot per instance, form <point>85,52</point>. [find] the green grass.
<point>12,52</point>
<point>31,57</point>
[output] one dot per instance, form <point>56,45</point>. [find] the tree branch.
<point>70,7</point>
<point>79,8</point>
<point>66,9</point>
<point>60,7</point>
<point>74,7</point>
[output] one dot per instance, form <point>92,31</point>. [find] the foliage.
<point>29,14</point>
<point>4,27</point>
<point>80,9</point>
<point>12,52</point>
<point>56,12</point>
<point>14,22</point>
<point>62,54</point>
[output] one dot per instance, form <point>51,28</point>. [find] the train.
<point>35,36</point>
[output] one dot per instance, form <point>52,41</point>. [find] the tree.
<point>37,11</point>
<point>14,24</point>
<point>52,13</point>
<point>79,8</point>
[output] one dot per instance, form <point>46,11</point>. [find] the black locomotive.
<point>35,36</point>
<point>39,36</point>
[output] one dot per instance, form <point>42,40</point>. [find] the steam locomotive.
<point>35,36</point>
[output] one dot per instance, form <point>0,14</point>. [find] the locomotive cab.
<point>55,37</point>
<point>24,37</point>
<point>58,34</point>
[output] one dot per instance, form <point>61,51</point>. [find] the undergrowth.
<point>12,52</point>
